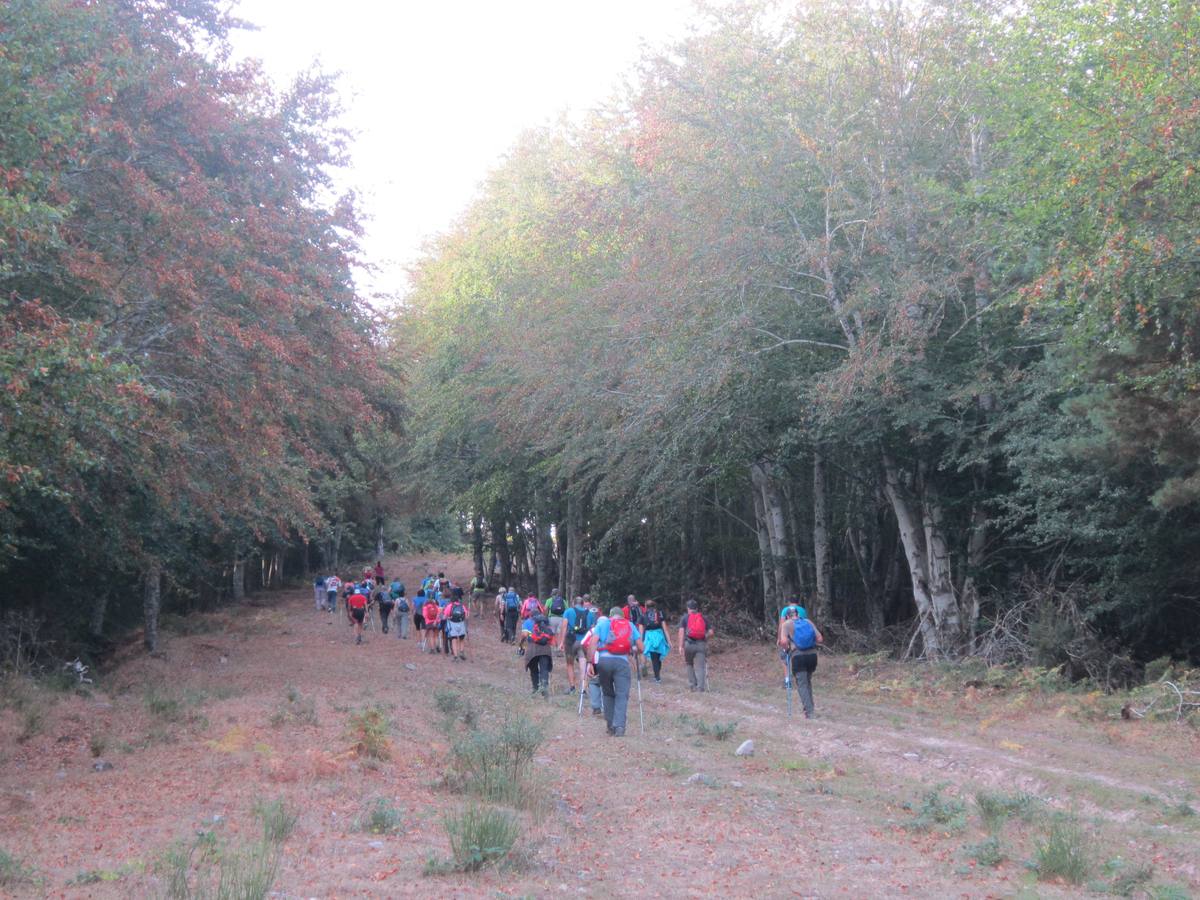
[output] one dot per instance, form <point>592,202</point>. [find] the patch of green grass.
<point>480,836</point>
<point>996,809</point>
<point>1168,892</point>
<point>379,817</point>
<point>1063,854</point>
<point>208,870</point>
<point>369,729</point>
<point>1122,879</point>
<point>496,765</point>
<point>803,764</point>
<point>672,766</point>
<point>163,706</point>
<point>294,707</point>
<point>13,871</point>
<point>102,876</point>
<point>278,819</point>
<point>988,852</point>
<point>938,813</point>
<point>721,731</point>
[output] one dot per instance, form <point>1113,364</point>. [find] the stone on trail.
<point>747,749</point>
<point>102,765</point>
<point>410,667</point>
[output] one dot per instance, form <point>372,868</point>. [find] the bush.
<point>295,707</point>
<point>13,872</point>
<point>205,870</point>
<point>987,852</point>
<point>481,836</point>
<point>938,813</point>
<point>495,765</point>
<point>996,809</point>
<point>369,729</point>
<point>277,818</point>
<point>380,817</point>
<point>1063,854</point>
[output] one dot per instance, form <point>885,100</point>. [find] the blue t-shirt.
<point>572,615</point>
<point>604,634</point>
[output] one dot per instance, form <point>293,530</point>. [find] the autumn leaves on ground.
<point>265,743</point>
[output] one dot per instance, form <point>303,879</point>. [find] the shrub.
<point>380,817</point>
<point>162,706</point>
<point>13,872</point>
<point>206,869</point>
<point>1126,880</point>
<point>455,707</point>
<point>996,809</point>
<point>721,731</point>
<point>495,764</point>
<point>481,836</point>
<point>277,818</point>
<point>295,707</point>
<point>369,729</point>
<point>938,813</point>
<point>1063,854</point>
<point>987,852</point>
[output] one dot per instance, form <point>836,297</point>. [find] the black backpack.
<point>558,605</point>
<point>651,618</point>
<point>581,622</point>
<point>635,615</point>
<point>457,613</point>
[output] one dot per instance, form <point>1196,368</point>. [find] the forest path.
<point>819,810</point>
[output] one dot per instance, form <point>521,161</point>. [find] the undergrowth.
<point>721,731</point>
<point>379,817</point>
<point>13,871</point>
<point>294,708</point>
<point>496,765</point>
<point>369,729</point>
<point>1063,854</point>
<point>278,819</point>
<point>937,813</point>
<point>480,836</point>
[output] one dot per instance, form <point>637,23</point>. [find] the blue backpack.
<point>512,600</point>
<point>804,636</point>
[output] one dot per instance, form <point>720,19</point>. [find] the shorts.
<point>418,620</point>
<point>433,626</point>
<point>358,615</point>
<point>572,648</point>
<point>556,623</point>
<point>456,629</point>
<point>804,661</point>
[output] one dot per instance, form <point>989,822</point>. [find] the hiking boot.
<point>358,640</point>
<point>617,732</point>
<point>611,731</point>
<point>462,657</point>
<point>657,680</point>
<point>569,691</point>
<point>597,712</point>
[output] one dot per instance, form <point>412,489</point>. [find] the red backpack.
<point>541,633</point>
<point>620,642</point>
<point>429,612</point>
<point>697,628</point>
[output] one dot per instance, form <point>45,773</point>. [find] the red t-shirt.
<point>357,601</point>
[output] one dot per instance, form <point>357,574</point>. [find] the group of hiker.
<point>604,654</point>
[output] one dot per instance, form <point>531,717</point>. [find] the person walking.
<point>694,633</point>
<point>803,638</point>
<point>577,621</point>
<point>332,585</point>
<point>356,610</point>
<point>319,591</point>
<point>403,610</point>
<point>787,617</point>
<point>455,615</point>
<point>539,658</point>
<point>654,638</point>
<point>512,609</point>
<point>383,599</point>
<point>431,625</point>
<point>556,608</point>
<point>478,593</point>
<point>379,579</point>
<point>614,639</point>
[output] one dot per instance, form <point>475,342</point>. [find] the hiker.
<point>332,585</point>
<point>512,609</point>
<point>633,613</point>
<point>443,583</point>
<point>612,640</point>
<point>654,638</point>
<point>802,640</point>
<point>577,621</point>
<point>443,602</point>
<point>455,617</point>
<point>403,608</point>
<point>431,623</point>
<point>532,607</point>
<point>379,579</point>
<point>787,616</point>
<point>539,658</point>
<point>319,591</point>
<point>478,592</point>
<point>356,612</point>
<point>556,608</point>
<point>383,597</point>
<point>694,633</point>
<point>419,616</point>
<point>396,587</point>
<point>348,588</point>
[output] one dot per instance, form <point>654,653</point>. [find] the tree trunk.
<point>574,548</point>
<point>238,581</point>
<point>99,608</point>
<point>151,603</point>
<point>560,542</point>
<point>776,518</point>
<point>918,515</point>
<point>543,552</point>
<point>823,596</point>
<point>379,548</point>
<point>500,545</point>
<point>771,605</point>
<point>477,545</point>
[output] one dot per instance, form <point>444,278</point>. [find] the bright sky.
<point>436,92</point>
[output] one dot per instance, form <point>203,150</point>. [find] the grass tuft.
<point>1063,854</point>
<point>295,707</point>
<point>380,817</point>
<point>988,852</point>
<point>480,836</point>
<point>278,819</point>
<point>938,813</point>
<point>996,809</point>
<point>206,869</point>
<point>721,731</point>
<point>496,765</point>
<point>13,871</point>
<point>369,729</point>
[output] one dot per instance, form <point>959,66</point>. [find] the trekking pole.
<point>789,682</point>
<point>641,718</point>
<point>582,685</point>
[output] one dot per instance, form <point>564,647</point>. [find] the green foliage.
<point>294,708</point>
<point>13,871</point>
<point>1123,879</point>
<point>1063,854</point>
<point>988,852</point>
<point>207,869</point>
<point>370,728</point>
<point>996,809</point>
<point>480,836</point>
<point>937,813</point>
<point>721,731</point>
<point>497,764</point>
<point>278,819</point>
<point>380,817</point>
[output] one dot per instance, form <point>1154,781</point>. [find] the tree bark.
<point>543,551</point>
<point>763,473</point>
<point>771,606</point>
<point>151,603</point>
<point>477,545</point>
<point>238,579</point>
<point>500,545</point>
<point>99,608</point>
<point>822,564</point>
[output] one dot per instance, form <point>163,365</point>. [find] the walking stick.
<point>789,682</point>
<point>582,685</point>
<point>641,719</point>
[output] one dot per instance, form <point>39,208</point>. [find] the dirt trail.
<point>817,811</point>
